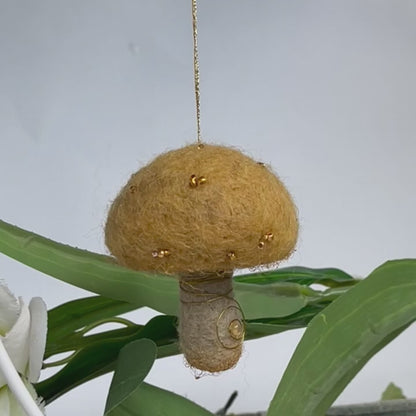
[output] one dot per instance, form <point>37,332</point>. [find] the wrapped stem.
<point>211,326</point>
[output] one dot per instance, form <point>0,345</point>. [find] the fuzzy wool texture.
<point>202,209</point>
<point>200,212</point>
<point>208,315</point>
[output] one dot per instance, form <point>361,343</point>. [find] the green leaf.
<point>130,396</point>
<point>97,354</point>
<point>301,275</point>
<point>150,400</point>
<point>344,336</point>
<point>90,271</point>
<point>273,300</point>
<point>134,363</point>
<point>256,328</point>
<point>264,297</point>
<point>392,392</point>
<point>71,316</point>
<point>100,274</point>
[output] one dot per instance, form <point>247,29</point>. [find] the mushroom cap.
<point>202,209</point>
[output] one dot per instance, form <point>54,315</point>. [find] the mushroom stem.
<point>211,324</point>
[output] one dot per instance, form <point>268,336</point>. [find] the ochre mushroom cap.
<point>205,209</point>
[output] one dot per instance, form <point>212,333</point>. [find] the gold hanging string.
<point>196,71</point>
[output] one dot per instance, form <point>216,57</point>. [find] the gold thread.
<point>208,301</point>
<point>190,285</point>
<point>196,71</point>
<point>241,339</point>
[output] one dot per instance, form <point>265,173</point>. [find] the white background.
<point>323,90</point>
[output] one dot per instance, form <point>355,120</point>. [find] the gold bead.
<point>193,182</point>
<point>261,164</point>
<point>132,188</point>
<point>236,329</point>
<point>160,253</point>
<point>269,237</point>
<point>266,238</point>
<point>200,146</point>
<point>231,255</point>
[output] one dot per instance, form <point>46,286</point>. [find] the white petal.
<point>37,340</point>
<point>16,342</point>
<point>9,309</point>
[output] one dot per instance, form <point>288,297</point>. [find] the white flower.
<point>23,333</point>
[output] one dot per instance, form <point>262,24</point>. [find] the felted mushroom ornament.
<point>199,213</point>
